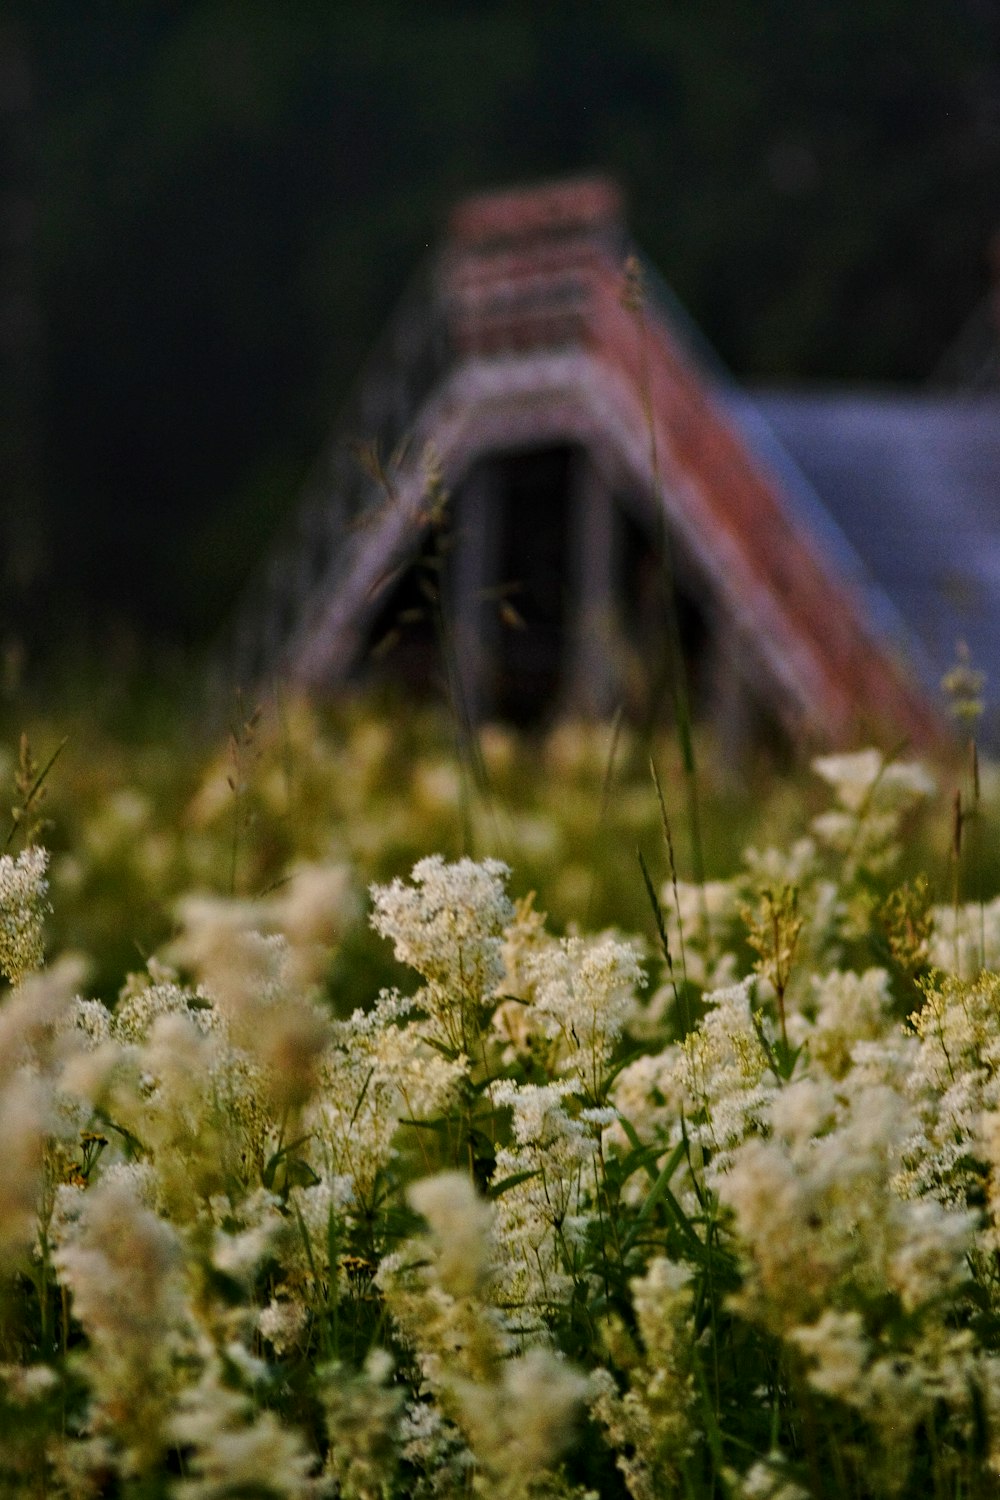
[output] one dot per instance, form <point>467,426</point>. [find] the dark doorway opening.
<point>532,582</point>
<point>664,606</point>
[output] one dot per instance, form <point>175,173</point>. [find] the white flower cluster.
<point>23,904</point>
<point>449,926</point>
<point>230,1201</point>
<point>584,993</point>
<point>543,1217</point>
<point>719,1079</point>
<point>873,796</point>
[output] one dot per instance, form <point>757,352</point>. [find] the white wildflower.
<point>362,1426</point>
<point>845,1008</point>
<point>234,1451</point>
<point>282,1322</point>
<point>375,1073</point>
<point>122,1265</point>
<point>930,1256</point>
<point>864,778</point>
<point>872,796</point>
<point>967,940</point>
<point>767,1479</point>
<point>584,993</point>
<point>23,904</point>
<point>725,1072</point>
<point>24,1122</point>
<point>258,1225</point>
<point>449,925</point>
<point>837,1350</point>
<point>461,1226</point>
<point>701,927</point>
<point>518,1427</point>
<point>541,1220</point>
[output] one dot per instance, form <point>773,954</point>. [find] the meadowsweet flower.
<point>232,1450</point>
<point>773,867</point>
<point>872,796</point>
<point>169,1091</point>
<point>313,908</point>
<point>24,1122</point>
<point>221,941</point>
<point>449,925</point>
<point>965,941</point>
<point>929,1256</point>
<point>252,978</point>
<point>864,777</point>
<point>123,1267</point>
<point>701,929</point>
<point>954,1079</point>
<point>584,993</point>
<point>282,1322</point>
<point>23,904</point>
<point>542,1219</point>
<point>440,1306</point>
<point>315,904</point>
<point>842,1009</point>
<point>650,1427</point>
<point>435,1449</point>
<point>724,1070</point>
<point>519,1425</point>
<point>320,1212</point>
<point>837,1351</point>
<point>32,1049</point>
<point>375,1073</point>
<point>461,1225</point>
<point>649,1093</point>
<point>822,1219</point>
<point>246,1235</point>
<point>361,1412</point>
<point>767,1479</point>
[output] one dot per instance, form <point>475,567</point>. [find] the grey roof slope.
<point>912,481</point>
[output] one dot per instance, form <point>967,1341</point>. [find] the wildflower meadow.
<point>371,1130</point>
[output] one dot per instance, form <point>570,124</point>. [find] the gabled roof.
<point>519,335</point>
<point>913,481</point>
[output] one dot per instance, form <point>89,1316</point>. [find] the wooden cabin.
<point>542,474</point>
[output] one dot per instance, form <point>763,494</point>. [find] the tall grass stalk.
<point>676,669</point>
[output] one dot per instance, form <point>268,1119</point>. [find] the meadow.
<point>383,1119</point>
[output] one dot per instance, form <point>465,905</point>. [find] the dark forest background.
<point>207,209</point>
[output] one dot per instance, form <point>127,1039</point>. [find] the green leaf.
<point>657,1193</point>
<point>497,1189</point>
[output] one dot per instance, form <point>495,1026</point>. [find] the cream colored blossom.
<point>461,1225</point>
<point>767,1479</point>
<point>362,1416</point>
<point>282,1322</point>
<point>840,1010</point>
<point>23,904</point>
<point>651,1427</point>
<point>123,1267</point>
<point>232,1450</point>
<point>873,795</point>
<point>375,1073</point>
<point>255,981</point>
<point>724,1070</point>
<point>520,1425</point>
<point>24,1121</point>
<point>542,1219</point>
<point>837,1351</point>
<point>449,925</point>
<point>584,993</point>
<point>966,940</point>
<point>701,928</point>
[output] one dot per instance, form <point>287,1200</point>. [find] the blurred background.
<point>208,208</point>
